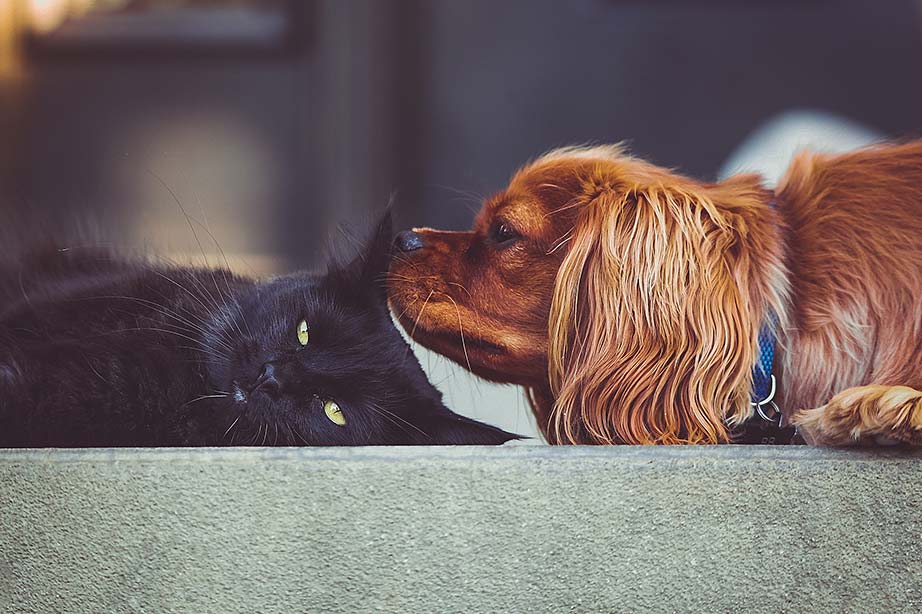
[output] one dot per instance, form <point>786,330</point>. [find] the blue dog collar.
<point>763,381</point>
<point>766,426</point>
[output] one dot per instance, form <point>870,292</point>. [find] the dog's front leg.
<point>863,413</point>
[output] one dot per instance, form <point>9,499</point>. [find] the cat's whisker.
<point>185,289</point>
<point>223,308</point>
<point>161,309</point>
<point>135,329</point>
<point>301,437</point>
<point>207,228</point>
<point>233,424</point>
<point>220,309</point>
<point>218,332</point>
<point>221,340</point>
<point>205,396</point>
<point>93,369</point>
<point>213,353</point>
<point>22,288</point>
<point>377,408</point>
<point>443,380</point>
<point>170,332</point>
<point>198,241</point>
<point>199,330</point>
<point>224,272</point>
<point>208,325</point>
<point>389,419</point>
<point>206,293</point>
<point>208,360</point>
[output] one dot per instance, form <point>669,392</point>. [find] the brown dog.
<point>628,299</point>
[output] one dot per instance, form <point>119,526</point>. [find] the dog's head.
<point>633,293</point>
<point>482,297</point>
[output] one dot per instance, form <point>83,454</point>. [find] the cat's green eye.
<point>303,335</point>
<point>334,413</point>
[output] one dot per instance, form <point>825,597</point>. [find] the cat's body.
<point>96,350</point>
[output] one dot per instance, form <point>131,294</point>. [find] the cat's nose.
<point>408,241</point>
<point>268,382</point>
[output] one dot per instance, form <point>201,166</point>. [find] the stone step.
<point>510,529</point>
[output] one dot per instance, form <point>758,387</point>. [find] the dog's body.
<point>628,299</point>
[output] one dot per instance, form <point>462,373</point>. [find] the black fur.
<point>96,350</point>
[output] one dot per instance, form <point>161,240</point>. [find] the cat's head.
<point>317,360</point>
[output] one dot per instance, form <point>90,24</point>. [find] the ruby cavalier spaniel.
<point>629,300</point>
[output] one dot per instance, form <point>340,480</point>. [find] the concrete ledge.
<point>522,529</point>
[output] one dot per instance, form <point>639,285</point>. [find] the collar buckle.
<point>768,401</point>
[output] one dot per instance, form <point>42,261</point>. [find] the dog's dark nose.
<point>408,241</point>
<point>267,381</point>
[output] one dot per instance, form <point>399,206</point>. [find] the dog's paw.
<point>827,425</point>
<point>864,414</point>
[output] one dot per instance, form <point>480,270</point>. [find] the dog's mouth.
<point>455,337</point>
<point>445,339</point>
<point>447,335</point>
<point>481,357</point>
<point>453,329</point>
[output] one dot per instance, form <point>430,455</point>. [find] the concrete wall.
<point>512,529</point>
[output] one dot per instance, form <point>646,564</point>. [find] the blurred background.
<point>277,121</point>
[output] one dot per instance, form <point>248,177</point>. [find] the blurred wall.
<point>682,82</point>
<point>435,102</point>
<point>11,89</point>
<point>274,151</point>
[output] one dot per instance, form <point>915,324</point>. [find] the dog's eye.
<point>503,233</point>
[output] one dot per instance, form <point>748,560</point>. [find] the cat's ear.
<point>453,430</point>
<point>376,255</point>
<point>368,269</point>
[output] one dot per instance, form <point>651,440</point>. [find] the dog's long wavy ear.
<point>655,315</point>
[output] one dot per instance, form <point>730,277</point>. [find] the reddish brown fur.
<point>631,306</point>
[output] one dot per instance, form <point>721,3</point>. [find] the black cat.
<point>96,350</point>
